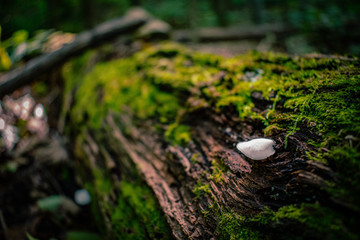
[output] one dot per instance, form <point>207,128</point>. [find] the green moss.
<point>306,221</point>
<point>195,158</point>
<point>137,215</point>
<point>233,226</point>
<point>218,169</point>
<point>124,209</point>
<point>113,86</point>
<point>102,183</point>
<point>95,208</point>
<point>201,189</point>
<point>346,157</point>
<point>320,222</point>
<point>40,88</point>
<point>178,134</point>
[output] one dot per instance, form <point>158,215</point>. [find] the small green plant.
<point>201,188</point>
<point>218,169</point>
<point>178,134</point>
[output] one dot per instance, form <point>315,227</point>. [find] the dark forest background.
<point>330,25</point>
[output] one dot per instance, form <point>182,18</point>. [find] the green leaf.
<point>19,37</point>
<point>5,62</point>
<point>29,237</point>
<point>51,203</point>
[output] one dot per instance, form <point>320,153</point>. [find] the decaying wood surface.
<point>88,39</point>
<point>247,187</point>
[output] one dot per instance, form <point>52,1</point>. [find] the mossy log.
<point>231,33</point>
<point>154,137</point>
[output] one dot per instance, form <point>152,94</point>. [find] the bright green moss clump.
<point>112,86</point>
<point>233,226</point>
<point>178,134</point>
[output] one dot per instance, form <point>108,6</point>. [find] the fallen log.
<point>85,40</point>
<point>231,33</point>
<point>155,140</point>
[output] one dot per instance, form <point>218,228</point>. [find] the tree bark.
<point>248,187</point>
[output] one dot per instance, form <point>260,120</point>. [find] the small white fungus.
<point>82,197</point>
<point>257,149</point>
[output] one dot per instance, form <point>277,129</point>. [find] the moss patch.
<point>233,226</point>
<point>320,222</point>
<point>305,221</point>
<point>178,134</point>
<point>137,215</point>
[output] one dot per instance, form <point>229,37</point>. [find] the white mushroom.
<point>257,149</point>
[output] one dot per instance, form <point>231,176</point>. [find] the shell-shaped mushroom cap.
<point>257,149</point>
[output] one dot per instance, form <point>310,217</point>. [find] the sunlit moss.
<point>112,86</point>
<point>178,134</point>
<point>233,226</point>
<point>201,189</point>
<point>218,169</point>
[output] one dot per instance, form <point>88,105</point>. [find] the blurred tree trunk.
<point>135,2</point>
<point>88,12</point>
<point>52,13</point>
<point>193,11</point>
<point>220,9</point>
<point>256,8</point>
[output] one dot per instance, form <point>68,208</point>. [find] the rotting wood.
<point>248,187</point>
